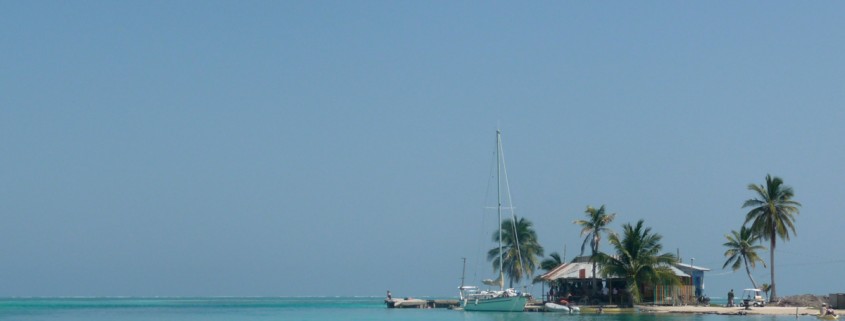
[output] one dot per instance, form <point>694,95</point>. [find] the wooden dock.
<point>411,303</point>
<point>532,306</point>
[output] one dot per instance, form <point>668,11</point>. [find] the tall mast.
<point>463,274</point>
<point>499,206</point>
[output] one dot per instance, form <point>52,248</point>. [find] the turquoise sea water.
<point>300,309</point>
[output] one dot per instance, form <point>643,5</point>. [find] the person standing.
<point>731,298</point>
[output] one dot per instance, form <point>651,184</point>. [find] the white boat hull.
<point>554,307</point>
<point>500,304</point>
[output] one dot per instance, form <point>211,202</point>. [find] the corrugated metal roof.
<point>693,267</point>
<point>678,272</point>
<point>570,271</point>
<point>573,271</point>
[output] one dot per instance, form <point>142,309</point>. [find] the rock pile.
<point>804,300</point>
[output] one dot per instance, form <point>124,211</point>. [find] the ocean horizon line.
<point>201,297</point>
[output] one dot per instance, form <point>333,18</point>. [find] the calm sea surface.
<point>304,309</point>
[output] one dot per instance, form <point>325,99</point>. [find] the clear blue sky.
<point>181,148</point>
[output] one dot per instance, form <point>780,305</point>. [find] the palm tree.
<point>638,260</point>
<point>766,287</point>
<point>741,249</point>
<point>520,248</point>
<point>596,223</point>
<point>772,215</point>
<point>551,263</point>
<point>548,265</point>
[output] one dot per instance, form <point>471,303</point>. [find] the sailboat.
<point>502,300</point>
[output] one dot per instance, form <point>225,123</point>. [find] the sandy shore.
<point>770,310</point>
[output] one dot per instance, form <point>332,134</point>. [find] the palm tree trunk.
<point>772,298</point>
<point>596,240</point>
<point>595,280</point>
<point>749,272</point>
<point>632,290</point>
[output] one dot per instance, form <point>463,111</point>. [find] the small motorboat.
<point>554,307</point>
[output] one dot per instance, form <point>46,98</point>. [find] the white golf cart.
<point>753,297</point>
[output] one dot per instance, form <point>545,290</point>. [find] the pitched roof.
<point>570,271</point>
<point>685,266</point>
<point>573,271</point>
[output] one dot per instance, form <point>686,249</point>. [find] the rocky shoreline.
<point>768,310</point>
<point>806,304</point>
